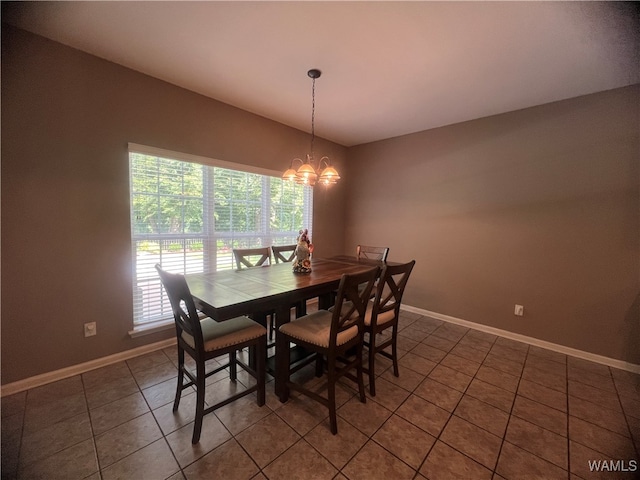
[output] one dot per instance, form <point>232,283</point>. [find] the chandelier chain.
<point>313,113</point>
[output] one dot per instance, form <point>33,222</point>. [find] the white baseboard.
<point>43,379</point>
<point>49,377</point>
<point>611,362</point>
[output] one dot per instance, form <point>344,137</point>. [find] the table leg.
<point>261,318</point>
<point>325,301</point>
<point>283,315</point>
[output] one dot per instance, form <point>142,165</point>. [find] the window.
<point>188,213</point>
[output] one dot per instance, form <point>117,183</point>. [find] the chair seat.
<point>315,329</point>
<point>384,317</point>
<point>217,335</point>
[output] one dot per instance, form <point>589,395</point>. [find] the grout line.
<point>93,435</point>
<point>24,418</point>
<point>634,441</point>
<point>393,412</point>
<point>506,428</point>
<point>451,414</point>
<point>140,389</point>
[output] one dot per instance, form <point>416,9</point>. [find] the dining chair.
<point>382,314</point>
<point>372,253</point>
<point>204,339</point>
<point>335,335</point>
<point>286,254</point>
<point>250,258</point>
<point>369,253</point>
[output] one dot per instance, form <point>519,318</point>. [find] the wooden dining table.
<point>227,294</point>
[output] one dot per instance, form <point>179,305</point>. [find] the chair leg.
<point>261,353</point>
<point>197,426</point>
<point>394,351</point>
<point>252,356</point>
<point>363,398</point>
<point>176,401</point>
<point>233,367</point>
<point>333,421</point>
<point>372,364</point>
<point>283,367</point>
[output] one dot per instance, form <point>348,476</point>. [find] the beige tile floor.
<point>466,405</point>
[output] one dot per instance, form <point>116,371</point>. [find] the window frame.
<point>209,235</point>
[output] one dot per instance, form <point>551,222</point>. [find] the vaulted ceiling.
<point>388,68</point>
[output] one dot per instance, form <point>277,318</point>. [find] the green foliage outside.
<point>169,198</point>
<point>166,196</point>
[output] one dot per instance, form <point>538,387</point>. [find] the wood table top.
<point>230,293</point>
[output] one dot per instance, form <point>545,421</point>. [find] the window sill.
<point>151,328</point>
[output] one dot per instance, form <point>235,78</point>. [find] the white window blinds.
<point>188,216</point>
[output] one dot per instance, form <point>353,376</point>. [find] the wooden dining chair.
<point>252,257</point>
<point>369,253</point>
<point>284,253</point>
<point>372,253</point>
<point>204,339</point>
<point>382,314</point>
<point>335,335</point>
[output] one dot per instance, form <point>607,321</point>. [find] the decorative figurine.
<point>302,262</point>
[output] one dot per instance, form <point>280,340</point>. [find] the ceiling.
<point>388,68</point>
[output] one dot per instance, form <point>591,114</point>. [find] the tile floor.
<point>466,405</point>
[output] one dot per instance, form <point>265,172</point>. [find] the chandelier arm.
<point>326,161</point>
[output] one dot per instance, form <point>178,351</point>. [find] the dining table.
<point>227,294</point>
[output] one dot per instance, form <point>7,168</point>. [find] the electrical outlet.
<point>90,329</point>
<point>519,310</point>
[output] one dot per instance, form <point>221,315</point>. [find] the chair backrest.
<point>252,257</point>
<point>184,309</point>
<point>351,302</point>
<point>390,289</point>
<point>372,253</point>
<point>284,253</point>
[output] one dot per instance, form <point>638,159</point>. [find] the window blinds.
<point>188,216</point>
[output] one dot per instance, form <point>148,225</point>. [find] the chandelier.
<point>311,171</point>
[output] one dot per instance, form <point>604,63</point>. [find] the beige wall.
<point>538,207</point>
<point>66,257</point>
